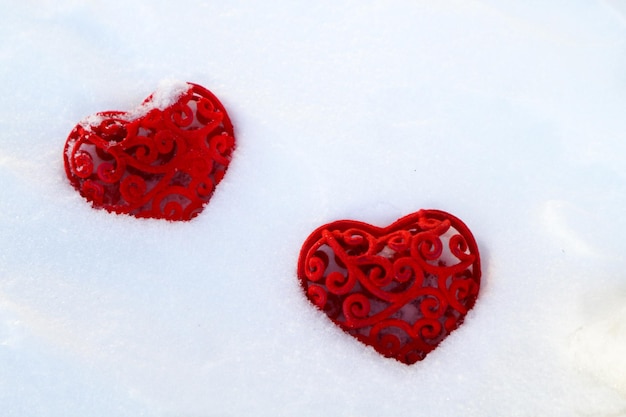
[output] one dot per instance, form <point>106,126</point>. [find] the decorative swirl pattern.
<point>152,162</point>
<point>400,289</point>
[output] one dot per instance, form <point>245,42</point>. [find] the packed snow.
<point>509,115</point>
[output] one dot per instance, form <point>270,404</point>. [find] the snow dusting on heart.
<point>167,93</point>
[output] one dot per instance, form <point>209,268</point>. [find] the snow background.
<point>509,115</point>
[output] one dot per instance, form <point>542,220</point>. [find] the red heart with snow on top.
<point>400,289</point>
<point>162,160</point>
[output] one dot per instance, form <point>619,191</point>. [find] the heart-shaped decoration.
<point>400,289</point>
<point>162,160</point>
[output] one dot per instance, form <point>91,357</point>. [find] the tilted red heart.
<point>400,289</point>
<point>162,160</point>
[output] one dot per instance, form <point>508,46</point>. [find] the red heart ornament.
<point>162,160</point>
<point>400,289</point>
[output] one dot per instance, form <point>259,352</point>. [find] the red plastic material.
<point>400,289</point>
<point>159,163</point>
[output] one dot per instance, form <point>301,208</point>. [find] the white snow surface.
<point>508,114</point>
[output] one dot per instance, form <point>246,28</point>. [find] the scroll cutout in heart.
<point>162,160</point>
<point>400,289</point>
